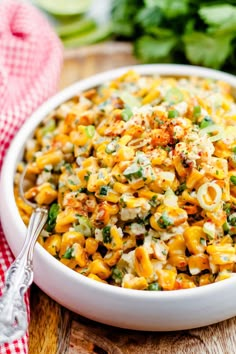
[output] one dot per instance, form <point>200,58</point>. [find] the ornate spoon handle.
<point>13,314</point>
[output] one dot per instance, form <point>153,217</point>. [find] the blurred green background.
<point>162,31</point>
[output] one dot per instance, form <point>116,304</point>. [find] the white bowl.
<point>134,309</point>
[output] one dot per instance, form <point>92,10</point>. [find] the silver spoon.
<point>19,277</point>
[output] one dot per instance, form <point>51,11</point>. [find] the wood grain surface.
<point>56,330</point>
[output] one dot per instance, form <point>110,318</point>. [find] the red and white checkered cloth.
<point>30,63</point>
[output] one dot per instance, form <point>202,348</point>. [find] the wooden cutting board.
<point>56,330</point>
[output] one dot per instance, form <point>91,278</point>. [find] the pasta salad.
<point>140,180</point>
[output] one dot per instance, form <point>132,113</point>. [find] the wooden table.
<point>56,330</point>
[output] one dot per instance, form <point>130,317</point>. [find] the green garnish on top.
<point>206,122</point>
<point>233,180</point>
<point>174,95</point>
<point>106,234</point>
<point>68,253</point>
<point>52,216</point>
<point>173,113</point>
<point>126,114</point>
<point>164,221</point>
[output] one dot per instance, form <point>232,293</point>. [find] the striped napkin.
<point>30,64</point>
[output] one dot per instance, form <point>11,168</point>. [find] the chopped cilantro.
<point>117,275</point>
<point>103,190</point>
<point>52,216</point>
<point>133,171</point>
<point>154,201</point>
<point>165,221</point>
<point>181,188</point>
<point>68,167</point>
<point>106,233</point>
<point>122,203</point>
<point>86,177</point>
<point>68,253</point>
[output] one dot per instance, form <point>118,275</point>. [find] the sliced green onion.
<point>234,149</point>
<point>202,195</point>
<point>196,111</point>
<point>49,127</point>
<point>226,227</point>
<point>111,147</point>
<point>90,130</point>
<point>170,199</point>
<point>154,287</point>
<point>126,114</point>
<point>174,95</point>
<point>133,171</point>
<point>173,113</point>
<point>227,208</point>
<point>203,241</point>
<point>209,229</point>
<point>212,129</point>
<point>130,100</point>
<point>85,226</point>
<point>233,179</point>
<point>232,219</point>
<point>206,122</point>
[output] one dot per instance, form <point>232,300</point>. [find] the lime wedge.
<point>64,7</point>
<point>80,26</point>
<point>99,34</point>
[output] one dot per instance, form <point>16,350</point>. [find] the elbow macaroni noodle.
<point>140,178</point>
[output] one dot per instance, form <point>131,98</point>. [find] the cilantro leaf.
<point>52,216</point>
<point>208,50</point>
<point>171,8</point>
<point>149,17</point>
<point>179,31</point>
<point>221,17</point>
<point>150,49</point>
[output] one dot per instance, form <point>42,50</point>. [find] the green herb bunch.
<point>179,31</point>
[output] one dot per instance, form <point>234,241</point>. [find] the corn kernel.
<point>100,268</point>
<point>142,263</point>
<point>53,244</point>
<point>50,158</point>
